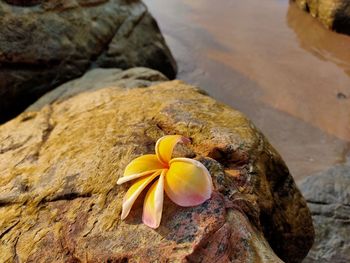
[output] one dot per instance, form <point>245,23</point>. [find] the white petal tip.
<point>123,216</point>
<point>150,223</point>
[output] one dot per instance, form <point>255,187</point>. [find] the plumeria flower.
<point>186,181</point>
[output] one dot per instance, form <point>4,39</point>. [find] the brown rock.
<point>59,201</point>
<point>334,14</point>
<point>45,43</point>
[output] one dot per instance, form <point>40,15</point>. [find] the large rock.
<point>46,43</point>
<point>328,197</point>
<point>334,14</point>
<point>59,166</point>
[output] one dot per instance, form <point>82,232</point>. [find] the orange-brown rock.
<point>334,14</point>
<point>59,201</point>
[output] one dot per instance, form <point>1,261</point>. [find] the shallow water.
<point>273,62</point>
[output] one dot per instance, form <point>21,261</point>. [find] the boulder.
<point>328,197</point>
<point>334,14</point>
<point>59,163</point>
<point>45,43</point>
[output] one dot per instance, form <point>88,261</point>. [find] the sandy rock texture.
<point>46,43</point>
<point>328,197</point>
<point>334,14</point>
<point>59,165</point>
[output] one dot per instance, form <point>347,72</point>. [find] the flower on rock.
<point>186,181</point>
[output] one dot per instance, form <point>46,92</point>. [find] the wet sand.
<point>273,62</point>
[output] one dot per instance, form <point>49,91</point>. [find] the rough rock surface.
<point>101,78</point>
<point>334,14</point>
<point>45,43</point>
<point>59,166</point>
<point>328,197</point>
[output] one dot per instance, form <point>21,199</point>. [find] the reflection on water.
<point>259,57</point>
<point>325,45</point>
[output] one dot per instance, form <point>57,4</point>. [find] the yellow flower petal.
<point>141,166</point>
<point>153,204</point>
<point>165,146</point>
<point>187,182</point>
<point>134,191</point>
